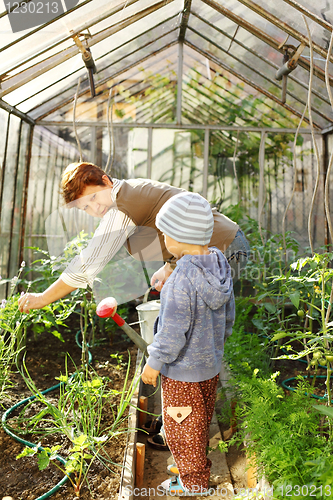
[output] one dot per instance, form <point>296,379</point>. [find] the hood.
<point>210,276</point>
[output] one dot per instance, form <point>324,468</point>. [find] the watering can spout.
<point>107,309</point>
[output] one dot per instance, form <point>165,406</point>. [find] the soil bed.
<point>45,360</point>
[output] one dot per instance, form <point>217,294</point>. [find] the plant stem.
<point>328,312</point>
<point>314,378</point>
<point>311,312</point>
<point>84,325</point>
<point>328,390</point>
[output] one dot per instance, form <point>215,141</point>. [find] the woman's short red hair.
<point>77,177</point>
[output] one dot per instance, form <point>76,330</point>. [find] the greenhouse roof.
<point>173,62</point>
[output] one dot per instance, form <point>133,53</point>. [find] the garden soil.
<point>45,359</point>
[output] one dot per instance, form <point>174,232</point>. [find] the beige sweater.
<point>141,200</point>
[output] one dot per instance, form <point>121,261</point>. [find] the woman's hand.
<point>159,278</point>
<point>56,291</point>
<point>149,375</point>
<point>30,301</point>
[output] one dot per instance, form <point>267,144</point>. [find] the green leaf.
<point>222,446</point>
<point>325,410</point>
<point>53,452</point>
<point>294,297</point>
<point>280,335</point>
<point>261,296</point>
<point>43,460</point>
<point>96,382</point>
<point>26,452</point>
<point>270,307</point>
<point>258,323</point>
<point>58,335</point>
<point>81,441</point>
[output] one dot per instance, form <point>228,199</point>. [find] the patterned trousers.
<point>187,412</point>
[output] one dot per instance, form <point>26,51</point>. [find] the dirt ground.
<point>45,360</point>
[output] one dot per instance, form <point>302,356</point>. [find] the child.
<point>196,316</point>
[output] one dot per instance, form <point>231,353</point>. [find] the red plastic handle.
<point>118,319</point>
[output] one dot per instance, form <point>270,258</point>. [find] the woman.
<point>127,209</point>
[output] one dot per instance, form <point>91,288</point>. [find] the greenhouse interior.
<point>229,99</point>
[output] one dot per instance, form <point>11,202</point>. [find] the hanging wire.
<point>317,153</point>
<point>261,182</point>
<point>74,120</point>
<point>313,138</point>
<point>328,172</point>
<point>327,80</point>
<point>110,132</point>
<point>235,170</point>
<point>295,183</point>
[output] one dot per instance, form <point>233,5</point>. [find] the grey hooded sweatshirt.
<point>197,314</point>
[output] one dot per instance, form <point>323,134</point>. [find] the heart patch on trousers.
<point>179,413</point>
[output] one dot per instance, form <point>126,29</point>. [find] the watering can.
<point>148,312</point>
<point>107,309</point>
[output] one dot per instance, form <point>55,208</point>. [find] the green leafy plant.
<point>51,317</point>
<point>283,434</point>
<point>79,416</point>
<point>246,351</point>
<point>289,436</point>
<point>12,326</point>
<point>45,270</point>
<point>308,283</point>
<point>76,463</point>
<point>118,358</point>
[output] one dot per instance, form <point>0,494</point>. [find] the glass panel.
<point>330,190</point>
<point>56,32</point>
<point>101,50</point>
<point>74,65</point>
<point>115,40</point>
<point>108,69</point>
<point>253,77</point>
<point>51,153</point>
<point>267,60</point>
<point>293,17</point>
<point>119,162</point>
<point>220,97</point>
<point>3,131</point>
<point>138,153</point>
<point>8,191</point>
<point>177,158</point>
<point>130,91</point>
<point>233,170</point>
<point>233,177</point>
<point>279,182</point>
<point>19,189</point>
<point>251,17</point>
<point>35,59</point>
<point>130,160</point>
<point>73,68</point>
<point>136,49</point>
<point>159,15</point>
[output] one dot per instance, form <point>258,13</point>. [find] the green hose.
<point>285,386</point>
<point>31,445</point>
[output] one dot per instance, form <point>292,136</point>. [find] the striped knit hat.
<point>187,218</point>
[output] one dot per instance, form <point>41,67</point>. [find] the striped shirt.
<point>114,229</point>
